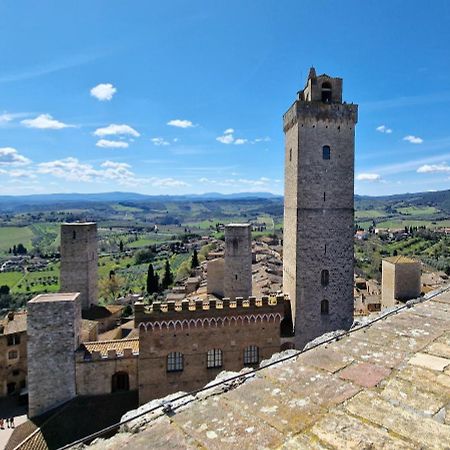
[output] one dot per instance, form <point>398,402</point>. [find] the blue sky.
<point>187,97</point>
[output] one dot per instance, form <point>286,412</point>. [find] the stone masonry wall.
<point>94,377</point>
<point>193,328</point>
<point>408,281</point>
<point>387,284</point>
<point>238,261</point>
<point>54,327</point>
<point>215,269</point>
<point>79,261</point>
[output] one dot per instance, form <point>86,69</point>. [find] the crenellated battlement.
<point>206,312</point>
<point>316,111</point>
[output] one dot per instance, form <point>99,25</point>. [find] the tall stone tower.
<point>53,328</point>
<point>237,280</point>
<point>318,208</point>
<point>79,261</point>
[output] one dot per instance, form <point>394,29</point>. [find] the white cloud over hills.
<point>11,157</point>
<point>45,122</point>
<point>103,91</point>
<point>105,143</point>
<point>115,129</point>
<point>180,123</point>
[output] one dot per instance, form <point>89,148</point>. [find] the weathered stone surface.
<point>409,395</point>
<point>304,442</point>
<point>439,349</point>
<point>373,408</point>
<point>340,430</point>
<point>427,380</point>
<point>217,426</point>
<point>322,358</point>
<point>365,374</point>
<point>429,361</point>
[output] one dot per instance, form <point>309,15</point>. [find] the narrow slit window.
<point>324,307</point>
<point>324,277</point>
<point>290,154</point>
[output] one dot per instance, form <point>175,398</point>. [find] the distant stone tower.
<point>237,280</point>
<point>79,261</point>
<point>53,328</point>
<point>318,208</point>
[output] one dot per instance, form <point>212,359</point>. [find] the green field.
<point>10,236</point>
<point>369,214</point>
<point>418,210</point>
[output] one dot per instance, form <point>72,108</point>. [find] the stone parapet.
<point>314,111</point>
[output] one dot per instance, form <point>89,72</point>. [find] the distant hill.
<point>438,199</point>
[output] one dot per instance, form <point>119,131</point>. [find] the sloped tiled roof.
<point>401,260</point>
<point>386,385</point>
<point>117,345</point>
<point>17,325</point>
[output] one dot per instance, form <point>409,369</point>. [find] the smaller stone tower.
<point>53,327</point>
<point>237,280</point>
<point>79,261</point>
<point>401,280</point>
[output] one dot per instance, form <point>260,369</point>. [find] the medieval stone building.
<point>318,208</point>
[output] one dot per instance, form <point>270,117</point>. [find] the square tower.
<point>53,327</point>
<point>318,208</point>
<point>79,261</point>
<point>237,279</point>
<point>400,280</point>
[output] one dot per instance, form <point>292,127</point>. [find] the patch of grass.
<point>370,213</point>
<point>418,210</point>
<point>10,236</point>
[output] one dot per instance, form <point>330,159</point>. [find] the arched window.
<point>214,358</point>
<point>175,362</point>
<point>326,92</point>
<point>120,381</point>
<point>251,355</point>
<point>324,307</point>
<point>326,152</point>
<point>324,277</point>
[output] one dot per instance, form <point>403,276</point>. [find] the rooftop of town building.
<point>400,260</point>
<point>386,384</point>
<point>57,297</point>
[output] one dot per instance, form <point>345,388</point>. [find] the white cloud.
<point>434,168</point>
<point>368,177</point>
<point>108,172</point>
<point>114,129</point>
<point>240,141</point>
<point>264,139</point>
<point>167,182</point>
<point>45,122</point>
<point>413,139</point>
<point>5,117</point>
<point>229,131</point>
<point>160,141</point>
<point>103,91</point>
<point>16,173</point>
<point>384,129</point>
<point>225,139</point>
<point>11,157</point>
<point>105,143</point>
<point>180,123</point>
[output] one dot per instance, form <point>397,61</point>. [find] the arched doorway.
<point>120,381</point>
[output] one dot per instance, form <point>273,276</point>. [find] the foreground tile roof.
<point>383,386</point>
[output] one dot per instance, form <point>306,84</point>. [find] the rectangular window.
<point>326,152</point>
<point>13,339</point>
<point>214,358</point>
<point>251,355</point>
<point>175,362</point>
